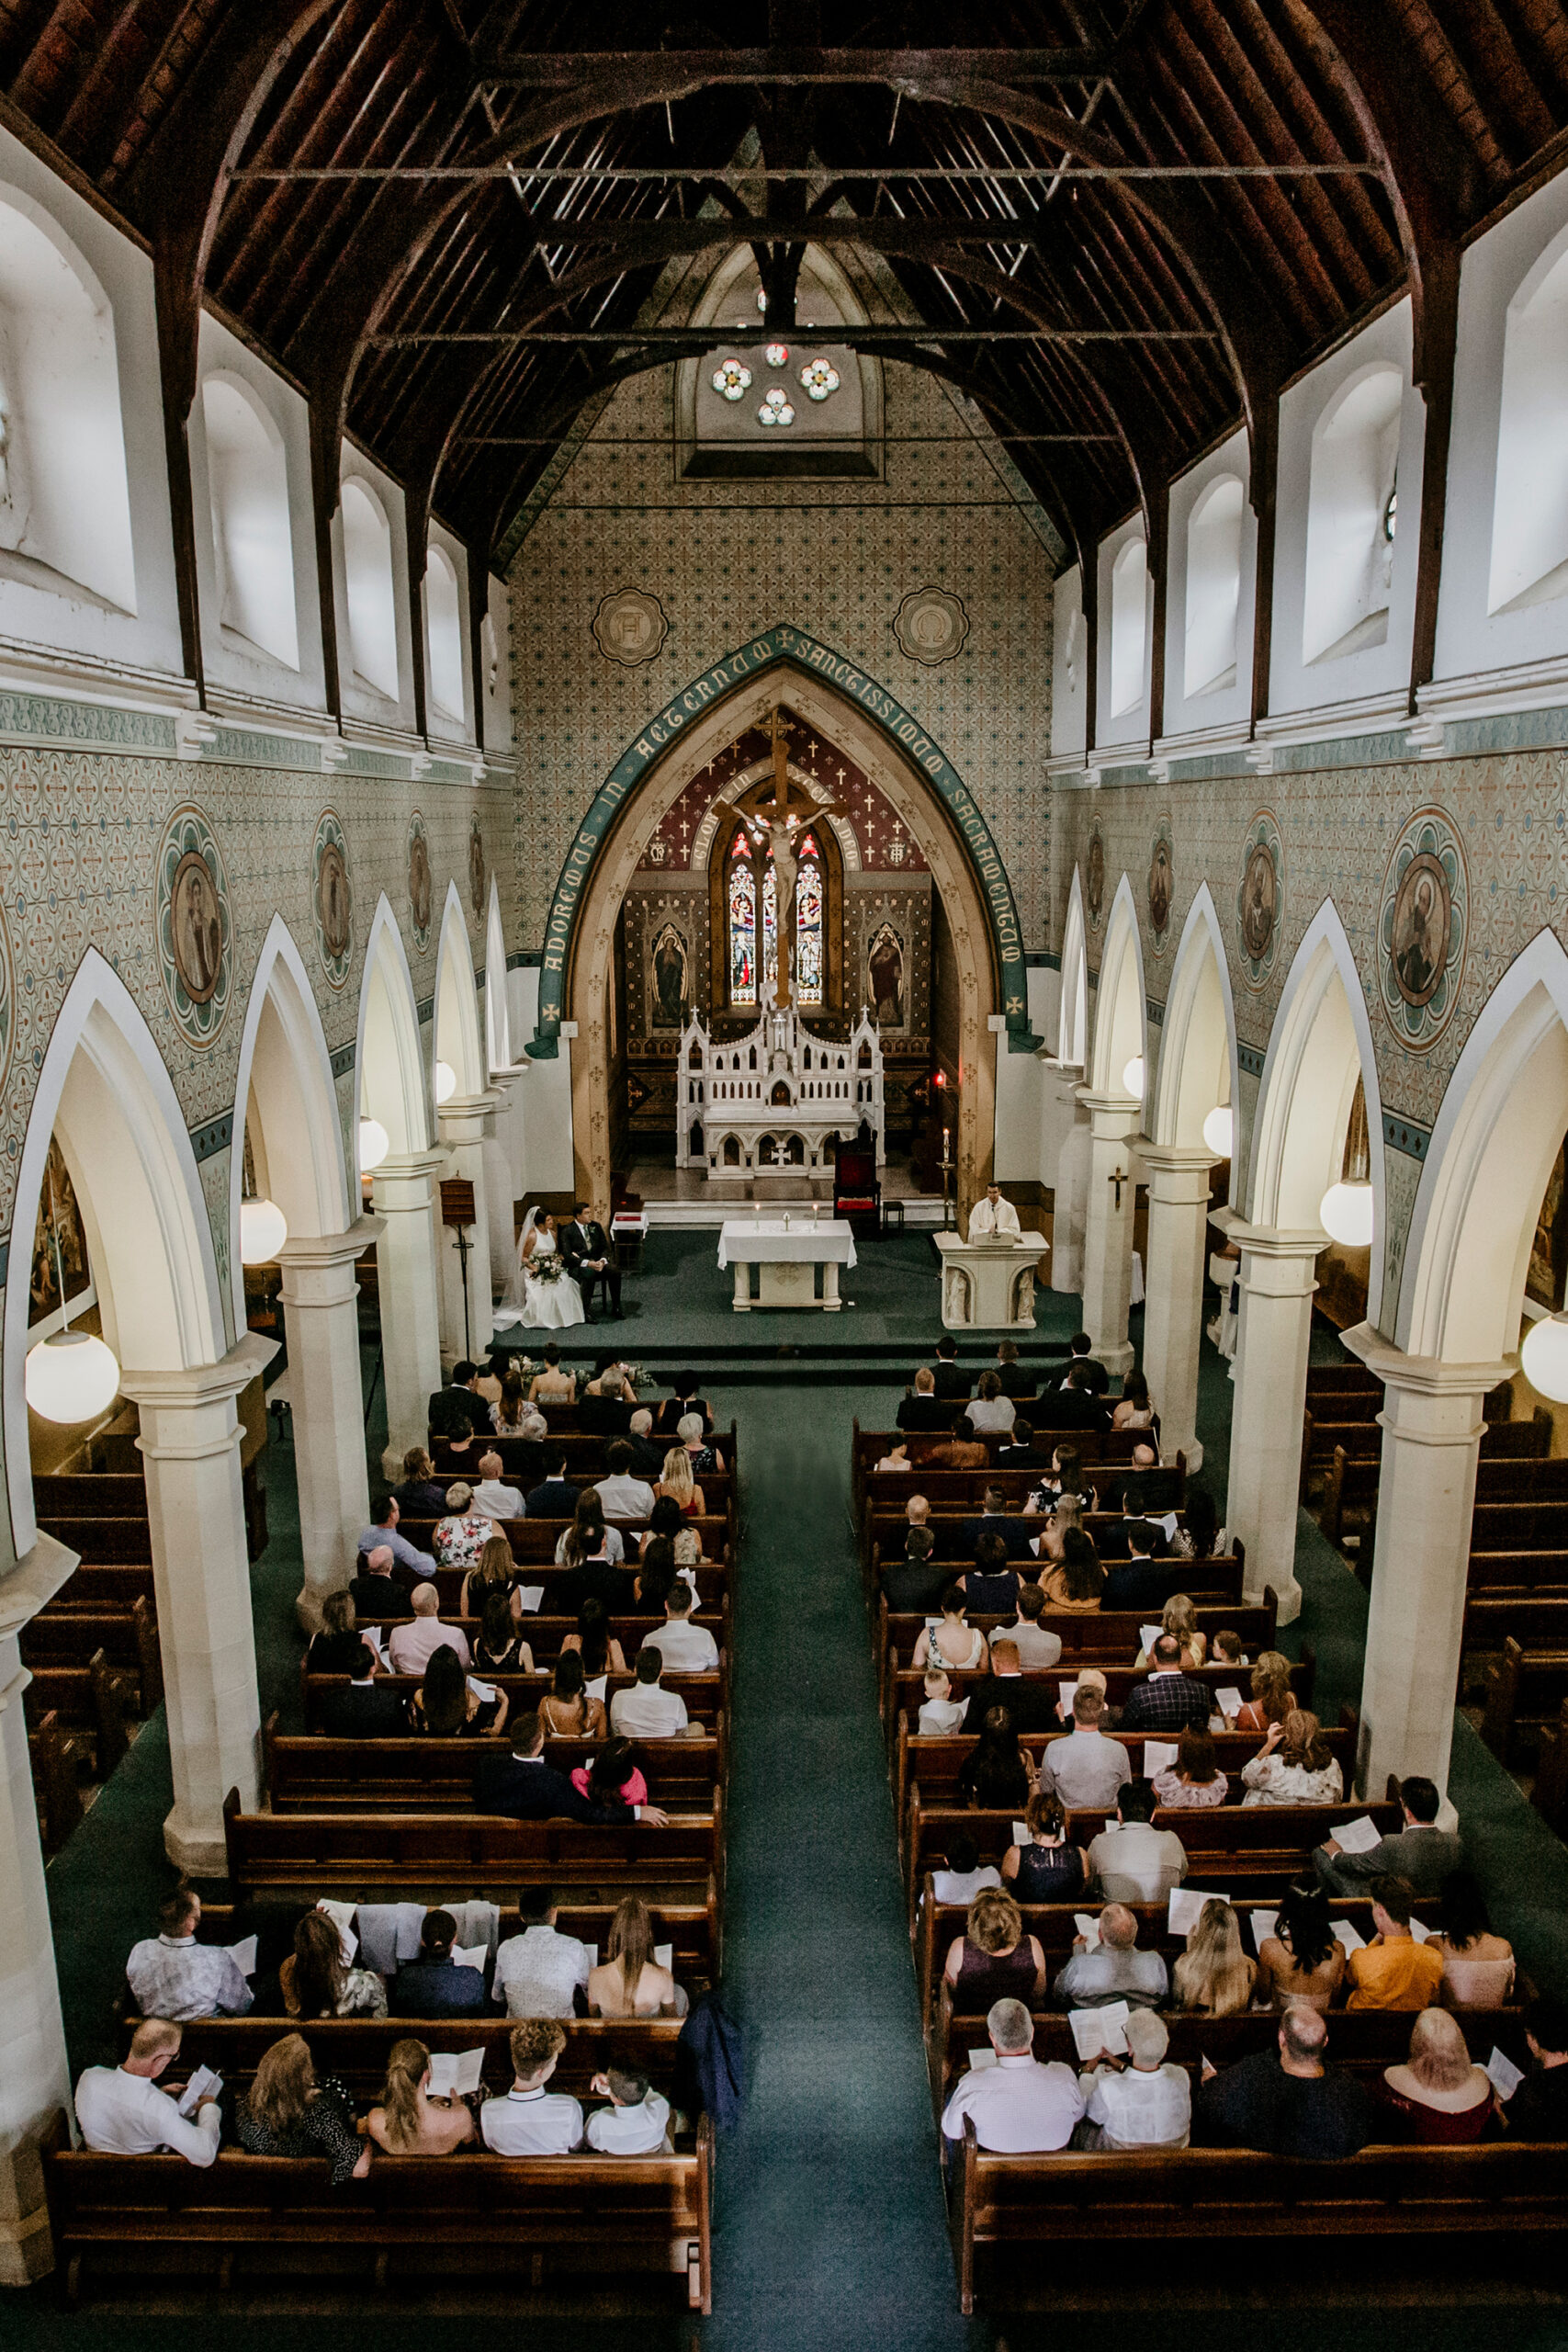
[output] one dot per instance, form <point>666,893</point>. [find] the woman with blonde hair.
<point>677,1482</point>
<point>1179,1617</point>
<point>993,1959</point>
<point>408,2121</point>
<point>287,2112</point>
<point>1271,1700</point>
<point>1441,2095</point>
<point>1294,1765</point>
<point>1214,1976</point>
<point>495,1571</point>
<point>629,1982</point>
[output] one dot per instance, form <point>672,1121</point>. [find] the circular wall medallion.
<point>477,870</point>
<point>1094,877</point>
<point>1423,929</point>
<point>195,941</point>
<point>1162,886</point>
<point>331,898</point>
<point>931,626</point>
<point>630,627</point>
<point>1260,899</point>
<point>421,889</point>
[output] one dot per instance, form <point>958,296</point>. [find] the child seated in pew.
<point>636,2123</point>
<point>941,1714</point>
<point>408,2121</point>
<point>1064,1483</point>
<point>1227,1650</point>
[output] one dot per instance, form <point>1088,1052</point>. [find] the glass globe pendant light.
<point>445,1082</point>
<point>374,1143</point>
<point>1346,1212</point>
<point>1543,1359</point>
<point>1133,1078</point>
<point>72,1375</point>
<point>1219,1130</point>
<point>264,1229</point>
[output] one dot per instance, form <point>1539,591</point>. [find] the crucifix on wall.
<point>776,810</point>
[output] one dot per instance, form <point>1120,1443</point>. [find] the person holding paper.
<point>1017,2106</point>
<point>449,1703</point>
<point>172,1977</point>
<point>1144,2103</point>
<point>1180,1618</point>
<point>123,2112</point>
<point>288,2113</point>
<point>993,1959</point>
<point>1195,1780</point>
<point>1112,1969</point>
<point>433,1985</point>
<point>409,2121</point>
<point>1294,1765</point>
<point>1393,1972</point>
<point>316,1981</point>
<point>1287,2101</point>
<point>1271,1698</point>
<point>1134,1862</point>
<point>636,2123</point>
<point>632,1980</point>
<point>1478,1966</point>
<point>1170,1701</point>
<point>1301,1959</point>
<point>1420,1853</point>
<point>1441,2096</point>
<point>964,1876</point>
<point>1538,2107</point>
<point>1047,1870</point>
<point>530,2120</point>
<point>1213,1977</point>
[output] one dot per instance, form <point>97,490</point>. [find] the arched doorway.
<point>394,1149</point>
<point>1117,1056</point>
<point>463,1106</point>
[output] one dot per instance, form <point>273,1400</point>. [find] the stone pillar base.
<point>27,2247</point>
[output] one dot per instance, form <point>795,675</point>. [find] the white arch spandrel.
<point>498,1015</point>
<point>285,1063</point>
<point>1072,1024</point>
<point>1121,1011</point>
<point>391,1082</point>
<point>456,1030</point>
<point>1197,1047</point>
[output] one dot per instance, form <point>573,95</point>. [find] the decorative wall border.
<point>1405,1135</point>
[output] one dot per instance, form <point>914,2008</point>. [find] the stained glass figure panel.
<point>743,919</point>
<point>769,930</point>
<point>808,925</point>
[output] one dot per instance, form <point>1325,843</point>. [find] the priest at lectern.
<point>993,1220</point>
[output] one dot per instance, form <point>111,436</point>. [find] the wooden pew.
<point>713,1577</point>
<point>585,1449</point>
<point>705,1695</point>
<point>128,1639</point>
<point>96,1699</point>
<point>963,1490</point>
<point>95,1494</point>
<point>357,2048</point>
<point>1525,1692</point>
<point>1528,1569</point>
<point>868,1446</point>
<point>56,1756</point>
<point>101,1539</point>
<point>1522,1524</point>
<point>886,1533</point>
<point>411,2218</point>
<point>904,1689</point>
<point>310,1773</point>
<point>533,1541</point>
<point>106,1584</point>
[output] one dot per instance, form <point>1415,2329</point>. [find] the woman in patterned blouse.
<point>289,2113</point>
<point>460,1538</point>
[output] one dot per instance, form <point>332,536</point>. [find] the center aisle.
<point>830,2229</point>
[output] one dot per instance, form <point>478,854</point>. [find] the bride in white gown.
<point>547,1306</point>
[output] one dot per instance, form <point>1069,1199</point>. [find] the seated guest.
<point>920,1409</point>
<point>629,1982</point>
<point>1111,1970</point>
<point>1078,1582</point>
<point>447,1706</point>
<point>1441,2096</point>
<point>636,2123</point>
<point>1021,1452</point>
<point>647,1711</point>
<point>1140,2101</point>
<point>667,1518</point>
<point>686,1400</point>
<point>1294,1765</point>
<point>1151,1488</point>
<point>588,1537</point>
<point>614,1770</point>
<point>950,1381</point>
<point>1086,1769</point>
<point>461,1536</point>
<point>1134,1862</point>
<point>648,1458</point>
<point>538,1973</point>
<point>1064,1481</point>
<point>990,1587</point>
<point>677,1485</point>
<point>896,1458</point>
<point>123,2112</point>
<point>1031,1702</point>
<point>918,1579</point>
<point>373,1590</point>
<point>991,1413</point>
<point>961,1450</point>
<point>511,1415</point>
<point>1539,2109</point>
<point>917,1513</point>
<point>528,1789</point>
<point>620,1495</point>
<point>1194,1779</point>
<point>1272,1697</point>
<point>1134,1537</point>
<point>688,1648</point>
<point>1036,1645</point>
<point>655,1577</point>
<point>340,1647</point>
<point>601,1653</point>
<point>996,1773</point>
<point>1180,1619</point>
<point>1393,1972</point>
<point>1213,1977</point>
<point>1478,1966</point>
<point>492,1495</point>
<point>498,1647</point>
<point>953,1644</point>
<point>530,2120</point>
<point>993,1959</point>
<point>1419,1853</point>
<point>287,2112</point>
<point>316,1981</point>
<point>1013,1378</point>
<point>1082,1368</point>
<point>552,1386</point>
<point>415,1641</point>
<point>1198,1536</point>
<point>964,1877</point>
<point>1018,2107</point>
<point>567,1712</point>
<point>367,1710</point>
<point>555,1497</point>
<point>459,1412</point>
<point>995,1520</point>
<point>433,1985</point>
<point>594,1572</point>
<point>1141,1582</point>
<point>1048,1869</point>
<point>407,2121</point>
<point>1227,1649</point>
<point>1076,1405</point>
<point>605,1403</point>
<point>1170,1701</point>
<point>495,1571</point>
<point>696,1437</point>
<point>421,1494</point>
<point>941,1714</point>
<point>1133,1409</point>
<point>1288,2101</point>
<point>171,1975</point>
<point>1303,1960</point>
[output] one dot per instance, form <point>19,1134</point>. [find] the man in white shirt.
<point>993,1220</point>
<point>637,2121</point>
<point>1085,1769</point>
<point>123,2113</point>
<point>494,1496</point>
<point>1020,2107</point>
<point>1111,1970</point>
<point>647,1711</point>
<point>687,1648</point>
<point>1143,2104</point>
<point>415,1642</point>
<point>530,2120</point>
<point>172,1977</point>
<point>537,1973</point>
<point>623,1496</point>
<point>1134,1862</point>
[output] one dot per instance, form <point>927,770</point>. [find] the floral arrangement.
<point>547,1265</point>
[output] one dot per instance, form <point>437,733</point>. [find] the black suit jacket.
<point>1029,1700</point>
<point>925,1413</point>
<point>1014,1531</point>
<point>1074,1408</point>
<point>1017,1379</point>
<point>557,1498</point>
<point>587,1240</point>
<point>1142,1584</point>
<point>365,1711</point>
<point>606,1416</point>
<point>952,1380</point>
<point>910,1585</point>
<point>375,1597</point>
<point>1023,1457</point>
<point>437,1988</point>
<point>648,1459</point>
<point>1099,1378</point>
<point>457,1412</point>
<point>1133,1539</point>
<point>536,1792</point>
<point>596,1580</point>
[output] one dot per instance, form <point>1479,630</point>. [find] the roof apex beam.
<point>566,69</point>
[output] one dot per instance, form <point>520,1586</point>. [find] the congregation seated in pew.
<point>1419,1853</point>
<point>1294,1766</point>
<point>524,1786</point>
<point>1111,1968</point>
<point>409,1564</point>
<point>415,1640</point>
<point>409,2119</point>
<point>993,1959</point>
<point>1132,1860</point>
<point>171,1975</point>
<point>317,1982</point>
<point>1213,1977</point>
<point>462,1534</point>
<point>288,2113</point>
<point>435,1984</point>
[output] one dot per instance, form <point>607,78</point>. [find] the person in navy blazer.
<point>524,1785</point>
<point>432,1985</point>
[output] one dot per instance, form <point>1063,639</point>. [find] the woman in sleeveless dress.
<point>547,1307</point>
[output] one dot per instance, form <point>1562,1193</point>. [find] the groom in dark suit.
<point>589,1260</point>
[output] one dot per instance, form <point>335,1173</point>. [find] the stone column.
<point>503,1171</point>
<point>201,1575</point>
<point>320,1316</point>
<point>1108,1225</point>
<point>1278,1275</point>
<point>1432,1425</point>
<point>1069,1122</point>
<point>34,2075</point>
<point>411,1314</point>
<point>462,1125</point>
<point>1173,1316</point>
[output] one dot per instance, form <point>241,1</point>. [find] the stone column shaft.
<point>463,1125</point>
<point>320,1313</point>
<point>1108,1226</point>
<point>1278,1275</point>
<point>406,1284</point>
<point>1173,1314</point>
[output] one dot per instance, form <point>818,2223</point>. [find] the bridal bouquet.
<point>546,1266</point>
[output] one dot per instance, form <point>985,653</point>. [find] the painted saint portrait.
<point>669,979</point>
<point>197,928</point>
<point>1259,902</point>
<point>1094,877</point>
<point>477,871</point>
<point>332,901</point>
<point>421,887</point>
<point>59,1222</point>
<point>1420,931</point>
<point>884,967</point>
<point>1160,885</point>
<point>1547,1280</point>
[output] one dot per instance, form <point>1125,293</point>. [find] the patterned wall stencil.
<point>1423,929</point>
<point>196,952</point>
<point>1260,899</point>
<point>333,897</point>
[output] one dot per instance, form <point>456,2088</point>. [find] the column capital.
<point>1270,1240</point>
<point>462,1120</point>
<point>315,1250</point>
<point>1197,1157</point>
<point>1424,1375</point>
<point>188,1387</point>
<point>1178,1174</point>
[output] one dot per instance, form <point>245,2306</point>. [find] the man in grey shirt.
<point>1134,1862</point>
<point>1085,1769</point>
<point>1114,1970</point>
<point>1037,1646</point>
<point>1418,1853</point>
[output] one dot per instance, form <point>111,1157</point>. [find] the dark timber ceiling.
<point>1122,222</point>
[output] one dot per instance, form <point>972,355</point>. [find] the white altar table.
<point>786,1256</point>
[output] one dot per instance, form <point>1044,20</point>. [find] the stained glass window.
<point>809,926</point>
<point>770,930</point>
<point>742,903</point>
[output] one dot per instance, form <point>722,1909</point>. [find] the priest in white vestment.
<point>993,1220</point>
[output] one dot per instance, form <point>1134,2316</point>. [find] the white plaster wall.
<point>545,1163</point>
<point>1018,1087</point>
<point>1131,726</point>
<point>1229,707</point>
<point>1070,672</point>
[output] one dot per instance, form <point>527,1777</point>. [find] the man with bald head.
<point>1288,2100</point>
<point>413,1646</point>
<point>1111,1970</point>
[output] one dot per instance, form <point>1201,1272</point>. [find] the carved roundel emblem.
<point>931,626</point>
<point>195,940</point>
<point>630,626</point>
<point>1260,899</point>
<point>1094,877</point>
<point>1423,929</point>
<point>331,898</point>
<point>422,886</point>
<point>1162,887</point>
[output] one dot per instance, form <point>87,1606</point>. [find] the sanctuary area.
<point>784,1078</point>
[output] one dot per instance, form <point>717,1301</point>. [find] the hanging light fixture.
<point>1543,1359</point>
<point>1219,1130</point>
<point>71,1376</point>
<point>445,1081</point>
<point>1347,1207</point>
<point>374,1143</point>
<point>264,1230</point>
<point>1133,1078</point>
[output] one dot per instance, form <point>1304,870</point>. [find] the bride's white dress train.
<point>547,1307</point>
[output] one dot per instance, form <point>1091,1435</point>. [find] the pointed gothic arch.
<point>1072,1025</point>
<point>1198,1063</point>
<point>1121,1009</point>
<point>285,1083</point>
<point>456,1030</point>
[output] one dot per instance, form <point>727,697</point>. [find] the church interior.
<point>785,1430</point>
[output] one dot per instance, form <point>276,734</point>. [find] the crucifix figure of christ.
<point>778,812</point>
